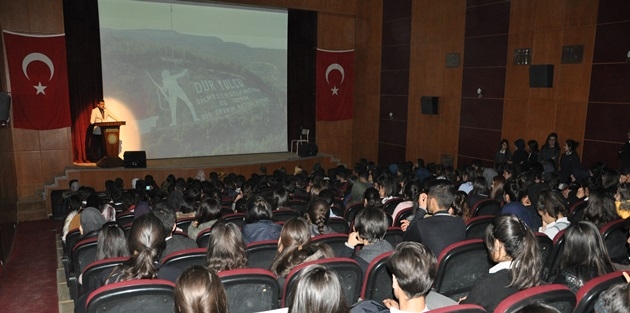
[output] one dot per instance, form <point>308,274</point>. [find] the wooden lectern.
<point>110,132</point>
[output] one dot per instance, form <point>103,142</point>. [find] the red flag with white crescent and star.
<point>335,85</point>
<point>39,80</point>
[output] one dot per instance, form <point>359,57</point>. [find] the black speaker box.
<point>135,159</point>
<point>541,76</point>
<point>307,149</point>
<point>5,106</point>
<point>429,105</point>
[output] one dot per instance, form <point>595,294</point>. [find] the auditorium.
<point>265,148</point>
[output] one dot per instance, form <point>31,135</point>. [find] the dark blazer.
<point>490,289</point>
<point>436,232</point>
<point>176,243</point>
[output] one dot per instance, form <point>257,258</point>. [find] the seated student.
<point>259,223</point>
<point>316,290</point>
<point>208,212</point>
<point>413,267</point>
<point>441,229</point>
<point>513,246</point>
<point>553,213</point>
<point>370,227</point>
<point>111,243</point>
<point>226,248</point>
<point>410,193</point>
<point>317,216</point>
<point>200,290</point>
<point>584,256</point>
<point>622,200</point>
<point>91,223</point>
<point>295,247</point>
<point>513,194</point>
<point>615,299</point>
<point>166,214</point>
<point>480,191</point>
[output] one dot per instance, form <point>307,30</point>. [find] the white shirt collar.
<point>394,310</point>
<point>501,266</point>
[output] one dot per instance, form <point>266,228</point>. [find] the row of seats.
<point>255,290</point>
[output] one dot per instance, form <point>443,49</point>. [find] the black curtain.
<point>301,74</point>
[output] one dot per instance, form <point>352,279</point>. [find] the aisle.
<point>29,282</point>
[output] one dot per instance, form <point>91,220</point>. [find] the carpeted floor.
<point>29,281</point>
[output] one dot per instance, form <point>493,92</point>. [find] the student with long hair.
<point>111,242</point>
<point>513,246</point>
<point>226,248</point>
<point>295,247</point>
<point>584,256</point>
<point>317,215</point>
<point>600,209</point>
<point>550,150</point>
<point>199,290</point>
<point>317,290</point>
<point>208,213</point>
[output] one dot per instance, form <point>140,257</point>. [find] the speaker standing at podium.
<point>99,114</point>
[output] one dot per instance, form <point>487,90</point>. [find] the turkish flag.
<point>39,80</point>
<point>335,85</point>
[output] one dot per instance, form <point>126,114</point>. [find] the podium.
<point>111,134</point>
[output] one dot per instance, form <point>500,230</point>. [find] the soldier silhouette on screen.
<point>172,89</point>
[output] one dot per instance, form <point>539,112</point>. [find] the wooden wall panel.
<point>522,15</point>
<point>515,119</point>
<point>596,151</point>
<point>570,120</point>
<point>609,83</point>
<point>491,80</point>
<point>479,143</point>
<point>607,121</point>
<point>541,118</point>
<point>438,29</point>
<point>367,69</point>
<point>396,105</point>
<point>608,42</point>
<point>547,47</point>
<point>481,113</point>
<point>613,11</point>
<point>484,20</point>
<point>549,14</point>
<point>478,53</point>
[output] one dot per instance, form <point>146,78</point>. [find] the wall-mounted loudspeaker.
<point>5,108</point>
<point>541,76</point>
<point>429,105</point>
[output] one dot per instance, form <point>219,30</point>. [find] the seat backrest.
<point>394,235</point>
<point>402,215</point>
<point>576,211</point>
<point>476,226</point>
<point>203,237</point>
<point>460,308</point>
<point>71,239</point>
<point>285,214</point>
<point>140,295</point>
<point>184,223</point>
<point>377,283</point>
<point>352,210</point>
<point>349,271</point>
<point>459,266</point>
<point>93,271</point>
<point>552,262</point>
<point>83,253</point>
<point>124,219</point>
<point>261,254</point>
<point>236,218</point>
<point>556,295</point>
<point>250,290</point>
<point>615,236</point>
<point>336,241</point>
<point>486,207</point>
<point>339,225</point>
<point>545,244</point>
<point>390,205</point>
<point>185,259</point>
<point>590,291</point>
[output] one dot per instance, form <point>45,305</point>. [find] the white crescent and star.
<point>36,56</point>
<point>333,67</point>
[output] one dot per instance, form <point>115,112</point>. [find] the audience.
<point>199,290</point>
<point>584,256</point>
<point>208,213</point>
<point>174,242</point>
<point>442,228</point>
<point>317,216</point>
<point>513,246</point>
<point>317,290</point>
<point>553,213</point>
<point>259,223</point>
<point>226,248</point>
<point>370,227</point>
<point>295,247</point>
<point>615,299</point>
